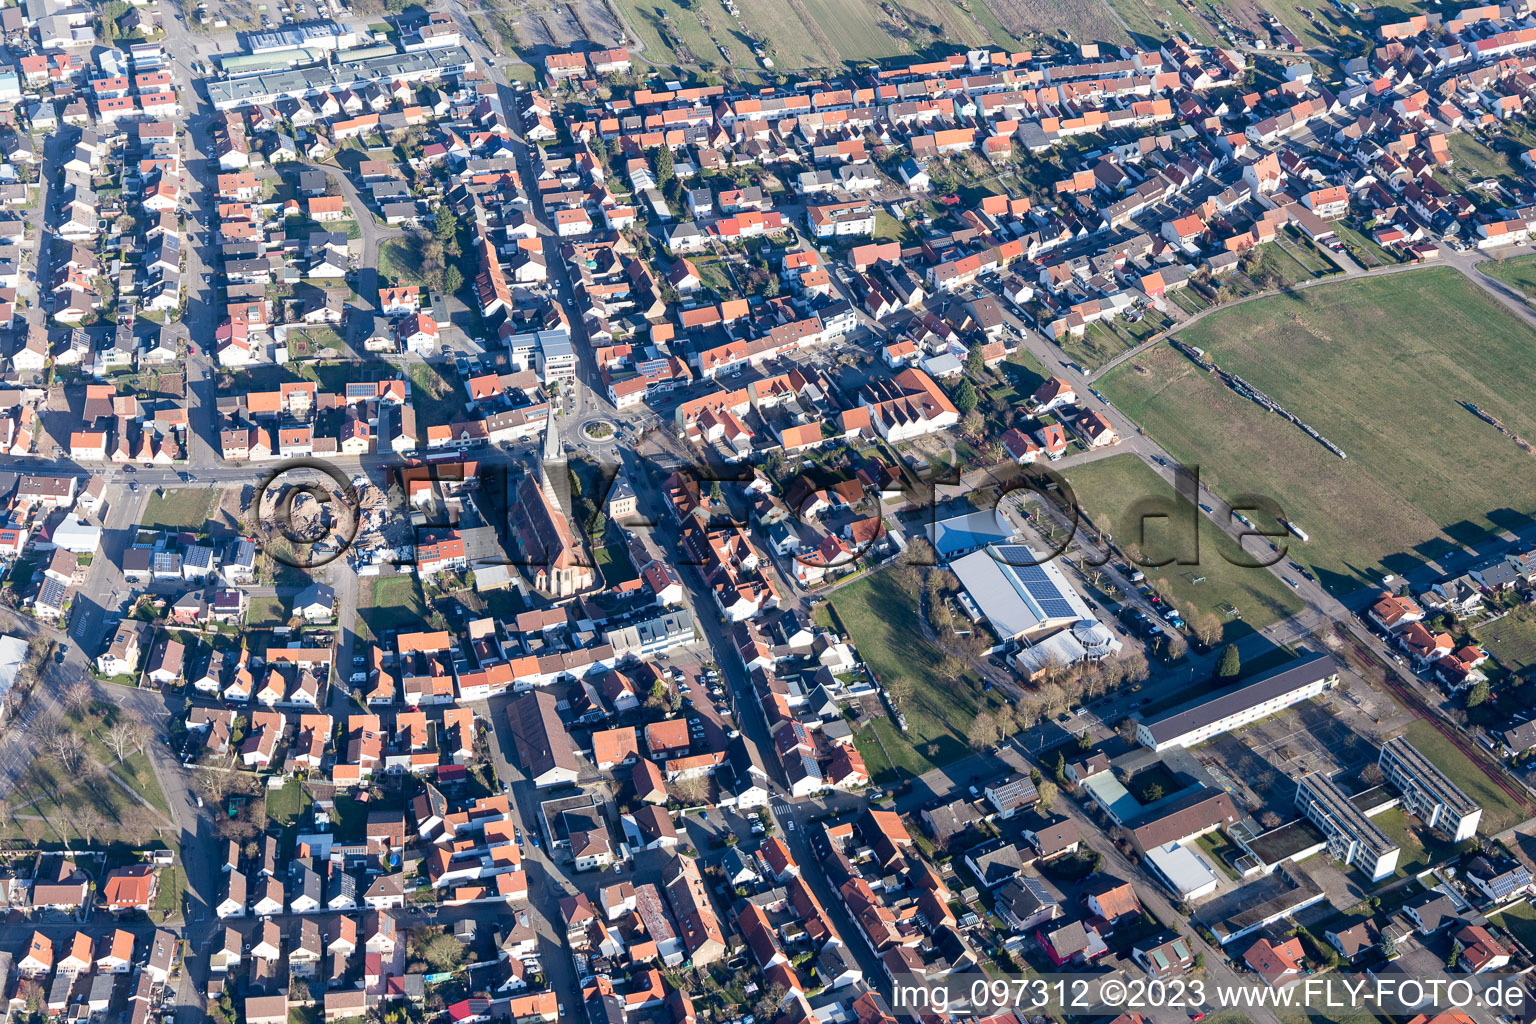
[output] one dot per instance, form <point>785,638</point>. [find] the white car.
<point>358,677</point>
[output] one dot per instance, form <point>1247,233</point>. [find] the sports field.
<point>1381,367</point>
<point>1108,490</point>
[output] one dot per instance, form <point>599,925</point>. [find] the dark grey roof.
<point>1292,676</point>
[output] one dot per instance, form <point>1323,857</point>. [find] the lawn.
<point>93,805</point>
<point>613,560</point>
<point>334,375</point>
<point>173,882</point>
<point>180,508</point>
<point>1511,640</point>
<point>1519,273</point>
<point>399,263</point>
<point>1420,849</point>
<point>1366,252</point>
<point>882,621</point>
<point>1479,161</point>
<point>889,229</point>
<point>1108,490</point>
<point>267,612</point>
<point>1500,811</point>
<point>1368,363</point>
<point>1098,344</point>
<point>285,805</point>
<point>391,602</point>
<point>436,393</point>
<point>1520,921</point>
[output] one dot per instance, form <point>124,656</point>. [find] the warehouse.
<point>1264,695</point>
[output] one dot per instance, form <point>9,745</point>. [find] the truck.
<point>1298,531</point>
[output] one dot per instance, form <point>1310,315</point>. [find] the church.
<point>551,556</point>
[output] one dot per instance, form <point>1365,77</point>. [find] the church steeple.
<point>555,477</point>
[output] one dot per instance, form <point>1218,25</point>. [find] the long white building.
<point>1306,677</point>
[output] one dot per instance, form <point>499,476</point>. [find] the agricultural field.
<point>674,34</point>
<point>812,33</point>
<point>1085,20</point>
<point>1151,22</point>
<point>1106,491</point>
<point>1368,363</point>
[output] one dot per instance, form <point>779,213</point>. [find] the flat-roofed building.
<point>1352,837</point>
<point>1428,792</point>
<point>1274,691</point>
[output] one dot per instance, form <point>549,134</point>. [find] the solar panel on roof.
<point>1044,590</point>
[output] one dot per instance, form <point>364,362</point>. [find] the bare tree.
<point>126,736</point>
<point>899,689</point>
<point>32,829</point>
<point>984,732</point>
<point>1207,629</point>
<point>68,750</point>
<point>693,790</point>
<point>78,697</point>
<point>136,830</point>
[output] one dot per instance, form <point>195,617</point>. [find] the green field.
<point>1107,491</point>
<point>1500,811</point>
<point>1367,363</point>
<point>882,621</point>
<point>180,509</point>
<point>1420,849</point>
<point>436,393</point>
<point>267,612</point>
<point>1511,641</point>
<point>1520,920</point>
<point>391,602</point>
<point>1519,273</point>
<point>399,262</point>
<point>1478,162</point>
